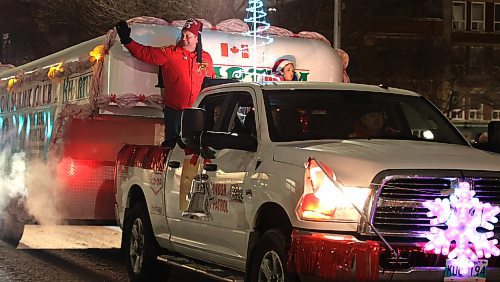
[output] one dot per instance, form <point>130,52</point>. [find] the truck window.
<point>214,107</point>
<point>244,116</point>
<point>313,114</point>
<point>230,112</point>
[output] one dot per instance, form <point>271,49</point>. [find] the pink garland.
<point>345,62</point>
<point>129,100</point>
<point>280,31</point>
<point>6,66</point>
<point>313,35</point>
<point>239,26</point>
<point>232,25</point>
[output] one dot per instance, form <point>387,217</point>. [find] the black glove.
<point>123,32</point>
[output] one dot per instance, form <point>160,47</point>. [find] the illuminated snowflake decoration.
<point>463,214</point>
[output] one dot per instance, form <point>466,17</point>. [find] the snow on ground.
<point>70,237</point>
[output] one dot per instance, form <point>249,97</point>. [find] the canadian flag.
<point>225,51</point>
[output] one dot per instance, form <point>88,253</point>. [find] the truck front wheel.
<point>12,220</point>
<point>140,245</point>
<point>269,262</point>
<point>11,228</point>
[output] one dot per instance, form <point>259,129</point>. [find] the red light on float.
<point>71,168</point>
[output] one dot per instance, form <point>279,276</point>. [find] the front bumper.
<point>344,257</point>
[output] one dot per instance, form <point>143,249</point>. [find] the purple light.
<point>463,214</point>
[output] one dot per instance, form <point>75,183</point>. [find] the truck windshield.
<point>313,114</point>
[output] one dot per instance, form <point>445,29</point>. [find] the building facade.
<point>447,50</point>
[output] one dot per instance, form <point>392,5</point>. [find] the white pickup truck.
<point>292,180</point>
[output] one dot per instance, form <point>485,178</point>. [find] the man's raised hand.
<point>123,32</point>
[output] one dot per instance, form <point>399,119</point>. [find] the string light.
<point>54,70</point>
<point>11,83</point>
<point>256,17</point>
<point>98,53</point>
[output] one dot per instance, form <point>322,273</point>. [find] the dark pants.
<point>172,126</point>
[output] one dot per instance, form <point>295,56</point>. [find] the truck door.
<point>223,230</point>
<point>233,167</point>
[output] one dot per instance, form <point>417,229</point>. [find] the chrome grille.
<point>399,207</point>
<point>412,189</point>
<point>487,190</point>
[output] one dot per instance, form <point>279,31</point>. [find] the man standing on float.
<point>184,66</point>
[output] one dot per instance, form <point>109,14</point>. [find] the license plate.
<point>476,273</point>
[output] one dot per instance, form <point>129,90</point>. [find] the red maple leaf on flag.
<point>234,49</point>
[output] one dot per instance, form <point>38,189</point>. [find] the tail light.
<point>326,199</point>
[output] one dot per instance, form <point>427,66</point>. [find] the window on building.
<point>475,114</point>
<point>475,110</point>
<point>459,15</point>
<point>497,16</point>
<point>457,114</point>
<point>477,16</point>
<point>495,115</point>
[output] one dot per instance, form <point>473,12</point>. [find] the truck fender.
<point>263,223</point>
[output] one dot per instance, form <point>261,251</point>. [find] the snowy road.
<point>71,253</point>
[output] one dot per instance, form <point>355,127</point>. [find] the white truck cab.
<point>290,181</point>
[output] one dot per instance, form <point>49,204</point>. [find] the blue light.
<point>44,115</point>
<point>49,126</point>
<point>28,125</point>
<point>21,123</point>
<point>256,17</point>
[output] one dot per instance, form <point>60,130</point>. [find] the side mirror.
<point>192,122</point>
<point>493,144</point>
<point>494,132</point>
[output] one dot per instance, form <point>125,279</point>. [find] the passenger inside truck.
<point>287,121</point>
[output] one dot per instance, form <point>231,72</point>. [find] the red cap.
<point>194,26</point>
<point>280,64</point>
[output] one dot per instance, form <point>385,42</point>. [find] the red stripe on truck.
<point>143,156</point>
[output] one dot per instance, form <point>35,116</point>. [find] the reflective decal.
<point>156,182</point>
<point>220,191</point>
<point>236,193</point>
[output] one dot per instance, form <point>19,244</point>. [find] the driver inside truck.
<point>234,126</point>
<point>370,123</point>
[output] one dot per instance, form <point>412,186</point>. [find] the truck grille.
<point>399,208</point>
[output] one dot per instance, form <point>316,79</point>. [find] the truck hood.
<point>356,162</point>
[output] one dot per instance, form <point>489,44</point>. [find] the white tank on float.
<point>315,59</point>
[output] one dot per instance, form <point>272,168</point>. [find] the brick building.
<point>447,50</point>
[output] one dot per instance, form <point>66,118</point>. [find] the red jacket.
<point>182,76</point>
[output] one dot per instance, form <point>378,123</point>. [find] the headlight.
<point>326,199</point>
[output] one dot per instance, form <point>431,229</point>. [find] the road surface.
<point>71,253</point>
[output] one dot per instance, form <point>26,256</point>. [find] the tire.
<point>269,261</point>
<point>12,220</point>
<point>11,228</point>
<point>140,246</point>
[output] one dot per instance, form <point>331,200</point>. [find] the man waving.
<point>184,66</point>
